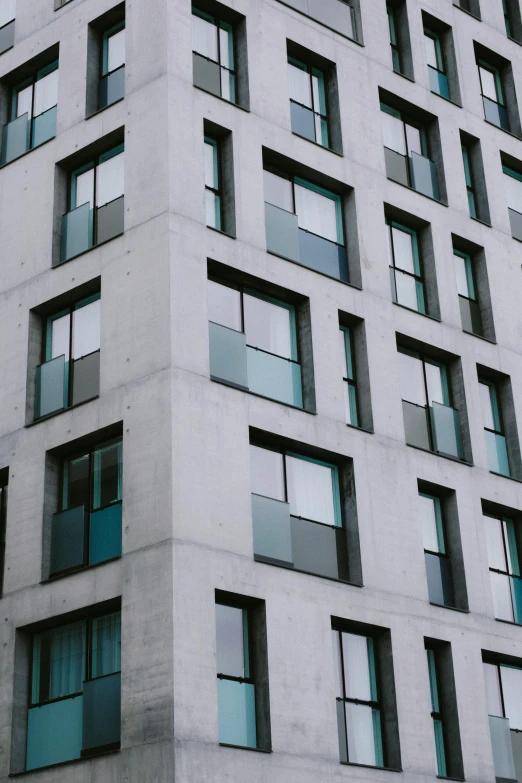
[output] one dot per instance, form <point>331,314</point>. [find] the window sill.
<point>224,100</point>
<point>444,456</point>
<point>509,133</point>
<point>508,622</point>
<point>263,561</point>
<point>448,100</point>
<point>503,475</point>
<point>404,76</point>
<point>243,747</point>
<point>442,203</point>
<point>62,764</point>
<point>478,220</point>
<point>361,429</point>
<point>24,154</point>
<point>480,337</point>
<point>418,312</point>
<point>73,571</point>
<point>62,410</point>
<point>510,38</point>
<point>8,50</point>
<point>444,777</point>
<point>315,271</point>
<point>452,609</point>
<point>99,111</point>
<point>89,250</point>
<point>316,144</point>
<point>59,7</point>
<point>260,396</point>
<point>469,13</point>
<point>322,24</point>
<point>223,233</point>
<point>370,766</point>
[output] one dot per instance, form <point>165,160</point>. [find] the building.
<point>260,472</point>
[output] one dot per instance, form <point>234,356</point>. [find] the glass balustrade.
<point>497,453</point>
<point>275,377</point>
<point>445,423</point>
<point>496,114</point>
<point>54,733</point>
<point>440,582</point>
<point>51,386</point>
<point>67,540</point>
<point>111,87</point>
<point>438,82</point>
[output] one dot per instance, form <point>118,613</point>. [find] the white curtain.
<point>67,664</point>
<point>46,93</point>
<point>106,645</point>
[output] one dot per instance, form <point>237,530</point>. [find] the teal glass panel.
<point>503,762</point>
<point>497,453</point>
<point>470,316</point>
<point>271,527</point>
<point>445,423</point>
<point>440,582</point>
<point>15,139</point>
<point>228,355</point>
<point>54,733</point>
<point>274,377</point>
<point>416,425</point>
<point>516,597</point>
<point>302,121</point>
<point>439,748</point>
<point>496,114</point>
<point>324,256</point>
<point>424,176</point>
<point>111,87</point>
<point>438,82</point>
<point>7,36</point>
<point>350,404</point>
<point>515,220</point>
<point>86,378</point>
<point>319,549</point>
<point>341,730</point>
<point>67,537</point>
<point>77,231</point>
<point>237,713</point>
<point>377,738</point>
<point>109,220</point>
<point>396,166</point>
<point>282,232</point>
<point>44,127</point>
<point>105,534</point>
<point>101,712</point>
<point>51,387</point>
<point>206,74</point>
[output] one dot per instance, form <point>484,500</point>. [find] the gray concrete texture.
<point>187,526</point>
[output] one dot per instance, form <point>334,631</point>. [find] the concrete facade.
<point>187,522</point>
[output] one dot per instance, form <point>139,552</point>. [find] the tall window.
<point>507,19</point>
<point>504,567</point>
<point>74,702</point>
<point>112,81</point>
<point>436,66</point>
<point>436,712</point>
<point>213,55</point>
<point>513,184</point>
<point>359,710</point>
<point>4,475</point>
<point>438,566</point>
<point>349,376</point>
<point>70,373</point>
<point>213,208</point>
<point>7,24</point>
<point>494,428</point>
<point>468,176</point>
<point>308,107</point>
<point>394,38</point>
<point>405,267</point>
<point>493,98</point>
<point>467,290</point>
<point>87,527</point>
<point>504,697</point>
<point>32,113</point>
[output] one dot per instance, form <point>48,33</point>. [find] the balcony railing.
<point>68,537</point>
<point>416,171</point>
<point>206,74</point>
<point>497,453</point>
<point>53,380</point>
<point>101,713</point>
<point>23,134</point>
<point>111,87</point>
<point>7,32</point>
<point>515,220</point>
<point>440,582</point>
<point>308,124</point>
<point>337,14</point>
<point>496,114</point>
<point>434,428</point>
<point>470,316</point>
<point>83,227</point>
<point>438,82</point>
<point>503,761</point>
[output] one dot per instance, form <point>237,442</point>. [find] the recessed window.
<point>112,79</point>
<point>394,38</point>
<point>340,15</point>
<point>4,477</point>
<point>438,566</point>
<point>406,271</point>
<point>400,46</point>
<point>351,406</point>
<point>471,6</point>
<point>308,108</point>
<point>214,54</point>
<point>7,24</point>
<point>496,445</point>
<point>503,681</point>
<point>212,184</point>
<point>502,539</point>
<point>468,295</point>
<point>512,19</point>
<point>497,89</point>
<point>436,65</point>
<point>513,185</point>
<point>444,712</point>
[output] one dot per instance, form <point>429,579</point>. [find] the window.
<point>214,55</point>
<point>4,477</point>
<point>430,422</point>
<point>507,19</point>
<point>492,91</point>
<point>513,183</point>
<point>74,694</point>
<point>444,709</point>
<point>87,527</point>
<point>436,67</point>
<point>394,38</point>
<point>242,675</point>
<point>212,184</point>
<point>438,565</point>
<point>406,152</point>
<point>467,290</point>
<point>296,512</point>
<point>472,200</point>
<point>7,24</point>
<point>112,81</point>
<point>308,108</point>
<point>493,427</point>
<point>253,342</point>
<point>504,568</point>
<point>436,714</point>
<point>304,223</point>
<point>95,204</point>
<point>471,6</point>
<point>504,696</point>
<point>32,113</point>
<point>405,267</point>
<point>340,15</point>
<point>349,377</point>
<point>70,373</point>
<point>512,19</point>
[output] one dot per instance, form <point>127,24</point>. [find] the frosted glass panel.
<point>116,54</point>
<point>316,213</point>
<point>266,471</point>
<point>224,305</point>
<point>512,691</point>
<point>46,93</point>
<point>204,38</point>
<point>356,667</point>
<point>267,326</point>
<point>412,379</point>
<point>393,133</point>
<point>86,329</point>
<point>109,181</point>
<point>310,490</point>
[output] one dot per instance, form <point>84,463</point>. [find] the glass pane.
<point>319,549</point>
<point>487,408</point>
<point>338,669</point>
<point>207,74</point>
<point>109,180</point>
<point>431,535</point>
<point>231,635</point>
<point>237,713</point>
<point>344,346</point>
<point>54,733</point>
<point>407,291</point>
<point>7,11</point>
<point>324,256</point>
<point>66,660</point>
<point>305,123</point>
<point>111,88</point>
<point>228,355</point>
<point>350,404</point>
<point>431,51</point>
<point>502,749</point>
<point>278,191</point>
<point>86,329</point>
<point>489,85</point>
<point>360,733</point>
<point>226,46</point>
<point>512,691</point>
<point>116,50</point>
<point>60,333</point>
<point>109,220</point>
<point>46,93</point>
<point>413,139</point>
<point>318,92</point>
<point>493,695</point>
<point>439,748</point>
<point>44,127</point>
<point>274,377</point>
<point>424,176</point>
<point>300,87</point>
<point>271,528</point>
<point>393,133</point>
<point>76,491</point>
<point>440,583</point>
<point>106,645</point>
<point>266,473</point>
<point>403,249</point>
<point>501,590</point>
<point>282,233</point>
<point>311,490</point>
<point>435,384</point>
<point>445,422</point>
<point>211,172</point>
<point>204,38</point>
<point>268,326</point>
<point>107,475</point>
<point>84,188</point>
<point>416,425</point>
<point>105,534</point>
<point>495,543</point>
<point>101,723</point>
<point>67,539</point>
<point>497,453</point>
<point>15,139</point>
<point>316,213</point>
<point>224,305</point>
<point>212,210</point>
<point>24,100</point>
<point>412,379</point>
<point>228,85</point>
<point>356,667</point>
<point>513,193</point>
<point>462,276</point>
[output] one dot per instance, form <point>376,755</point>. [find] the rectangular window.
<point>74,704</point>
<point>495,109</point>
<point>112,79</point>
<point>430,422</point>
<point>436,713</point>
<point>242,675</point>
<point>349,376</point>
<point>32,116</point>
<point>96,197</point>
<point>438,565</point>
<point>406,153</point>
<point>213,209</point>
<point>504,696</point>
<point>504,567</point>
<point>7,24</point>
<point>444,710</point>
<point>405,267</point>
<point>70,372</point>
<point>513,184</point>
<point>87,527</point>
<point>214,56</point>
<point>304,223</point>
<point>493,427</point>
<point>467,290</point>
<point>308,104</point>
<point>296,512</point>
<point>436,66</point>
<point>394,39</point>
<point>468,176</point>
<point>4,477</point>
<point>339,15</point>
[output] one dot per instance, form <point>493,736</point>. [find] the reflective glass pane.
<point>278,191</point>
<point>412,379</point>
<point>212,210</point>
<point>77,488</point>
<point>319,549</point>
<point>487,410</point>
<point>512,691</point>
<point>207,74</point>
<point>266,473</point>
<point>54,733</point>
<point>318,92</point>
<point>226,46</point>
<point>101,712</point>
<point>438,576</point>
<point>495,543</point>
<point>116,50</point>
<point>311,490</point>
<point>231,634</point>
<point>338,667</point>
<point>360,733</point>
<point>109,180</point>
<point>393,133</point>
<point>84,188</point>
<point>211,172</point>
<point>60,334</point>
<point>237,713</point>
<point>305,123</point>
<point>345,353</point>
<point>430,528</point>
<point>489,85</point>
<point>274,377</point>
<point>228,355</point>
<point>111,88</point>
<point>300,86</point>
<point>513,193</point>
<point>431,51</point>
<point>105,534</point>
<point>316,213</point>
<point>228,85</point>
<point>407,291</point>
<point>271,529</point>
<point>462,276</point>
<point>44,127</point>
<point>413,139</point>
<point>7,11</point>
<point>357,681</point>
<point>268,326</point>
<point>502,749</point>
<point>86,329</point>
<point>107,477</point>
<point>416,425</point>
<point>493,695</point>
<point>403,250</point>
<point>24,101</point>
<point>204,37</point>
<point>501,590</point>
<point>106,645</point>
<point>350,404</point>
<point>435,384</point>
<point>67,540</point>
<point>67,660</point>
<point>46,93</point>
<point>224,305</point>
<point>16,139</point>
<point>497,453</point>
